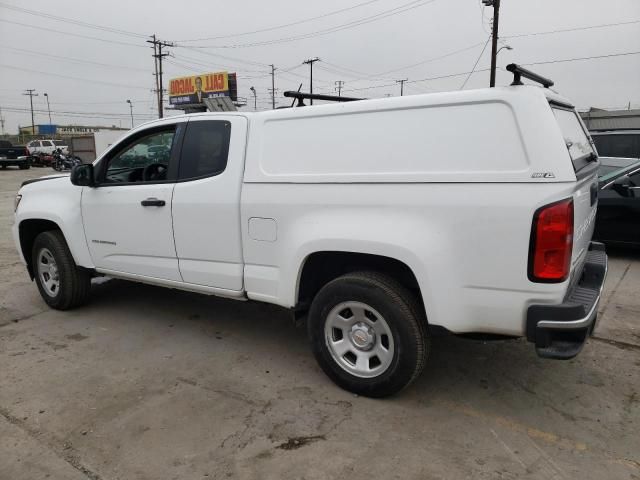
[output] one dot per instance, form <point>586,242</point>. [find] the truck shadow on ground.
<point>457,367</point>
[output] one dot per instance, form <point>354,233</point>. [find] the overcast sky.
<point>90,72</point>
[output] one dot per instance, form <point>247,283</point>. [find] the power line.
<point>71,60</point>
<point>269,29</point>
<point>89,37</point>
<point>564,60</point>
<point>72,21</point>
<point>476,64</point>
<point>233,59</point>
<point>576,29</point>
<point>72,77</point>
<point>433,59</point>
<point>455,52</point>
<point>373,18</point>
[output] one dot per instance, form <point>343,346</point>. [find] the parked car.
<point>617,143</point>
<point>377,221</point>
<point>14,155</point>
<point>618,219</point>
<point>612,164</point>
<point>46,147</point>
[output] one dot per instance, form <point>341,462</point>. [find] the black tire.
<point>401,312</point>
<point>4,167</point>
<point>74,282</point>
<point>24,166</point>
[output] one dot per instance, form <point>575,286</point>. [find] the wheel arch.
<point>320,267</point>
<point>28,230</point>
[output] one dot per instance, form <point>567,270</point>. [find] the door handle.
<point>152,202</point>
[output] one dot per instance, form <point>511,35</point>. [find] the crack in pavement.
<point>19,319</point>
<point>617,343</point>
<point>67,453</point>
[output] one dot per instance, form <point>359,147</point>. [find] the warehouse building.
<point>67,130</point>
<point>597,120</point>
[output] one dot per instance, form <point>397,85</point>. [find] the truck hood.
<point>41,179</point>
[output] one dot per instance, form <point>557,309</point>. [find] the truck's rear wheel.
<point>24,166</point>
<point>62,284</point>
<point>368,334</point>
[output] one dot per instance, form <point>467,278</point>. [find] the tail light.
<point>551,243</point>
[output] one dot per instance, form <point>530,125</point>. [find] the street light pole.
<point>48,107</point>
<point>255,98</point>
<point>131,111</point>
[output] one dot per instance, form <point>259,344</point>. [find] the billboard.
<point>192,90</point>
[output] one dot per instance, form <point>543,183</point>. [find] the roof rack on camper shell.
<point>519,72</point>
<point>301,96</point>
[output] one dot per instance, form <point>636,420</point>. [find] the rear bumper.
<point>14,161</point>
<point>560,331</point>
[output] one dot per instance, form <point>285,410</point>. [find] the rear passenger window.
<point>205,149</point>
<point>575,137</point>
<point>617,145</point>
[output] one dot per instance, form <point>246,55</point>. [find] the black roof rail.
<point>519,72</point>
<point>301,96</point>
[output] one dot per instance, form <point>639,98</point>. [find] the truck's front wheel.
<point>62,284</point>
<point>368,334</point>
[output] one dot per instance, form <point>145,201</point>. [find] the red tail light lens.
<point>551,243</point>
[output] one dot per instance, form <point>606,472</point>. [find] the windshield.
<point>618,172</point>
<point>575,137</point>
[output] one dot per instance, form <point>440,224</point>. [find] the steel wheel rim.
<point>48,272</point>
<point>359,339</point>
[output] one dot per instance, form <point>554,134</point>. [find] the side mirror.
<point>82,175</point>
<point>621,186</point>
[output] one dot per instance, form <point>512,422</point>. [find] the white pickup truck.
<point>378,221</point>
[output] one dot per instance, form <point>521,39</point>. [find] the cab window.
<point>143,160</point>
<point>205,149</point>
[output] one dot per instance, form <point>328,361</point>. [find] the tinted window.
<point>60,143</point>
<point>606,169</point>
<point>617,145</point>
<point>146,159</point>
<point>205,148</point>
<point>575,138</point>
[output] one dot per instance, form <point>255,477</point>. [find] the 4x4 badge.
<point>543,175</point>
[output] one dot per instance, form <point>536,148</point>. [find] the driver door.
<point>127,215</point>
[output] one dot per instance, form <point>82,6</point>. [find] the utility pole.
<point>339,85</point>
<point>158,56</point>
<point>401,82</point>
<point>310,62</point>
<point>29,92</point>
<point>131,111</point>
<point>48,107</point>
<point>255,98</point>
<point>273,86</point>
<point>494,37</point>
<point>2,122</point>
